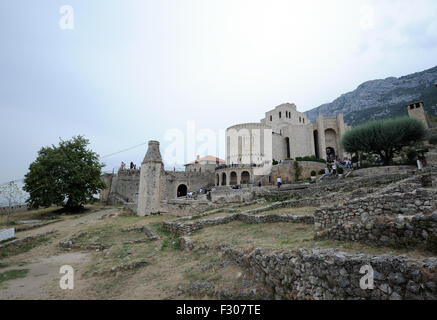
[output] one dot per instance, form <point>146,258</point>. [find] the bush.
<point>321,171</point>
<point>384,138</point>
<point>297,171</point>
<point>313,173</point>
<point>432,139</point>
<point>340,170</point>
<point>310,158</point>
<point>274,162</point>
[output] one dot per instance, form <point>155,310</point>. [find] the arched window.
<point>223,179</point>
<point>217,180</point>
<point>280,114</point>
<point>233,178</point>
<point>245,177</point>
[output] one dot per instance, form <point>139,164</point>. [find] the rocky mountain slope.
<point>383,98</point>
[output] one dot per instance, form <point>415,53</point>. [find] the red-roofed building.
<point>204,164</point>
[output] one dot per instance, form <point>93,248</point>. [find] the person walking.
<point>279,182</point>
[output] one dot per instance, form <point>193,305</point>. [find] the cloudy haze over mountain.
<point>130,71</point>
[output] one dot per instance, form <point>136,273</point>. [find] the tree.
<point>384,138</point>
<point>68,175</point>
<point>13,195</point>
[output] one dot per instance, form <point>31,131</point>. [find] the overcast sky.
<point>132,71</point>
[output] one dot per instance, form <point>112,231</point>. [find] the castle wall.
<point>301,140</point>
<point>193,180</point>
<point>286,170</point>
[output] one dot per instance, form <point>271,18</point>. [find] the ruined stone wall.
<point>372,171</point>
<point>329,274</point>
<point>179,227</point>
<point>418,201</point>
<point>409,231</point>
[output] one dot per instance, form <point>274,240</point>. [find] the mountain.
<point>383,98</point>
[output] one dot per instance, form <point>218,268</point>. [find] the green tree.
<point>67,175</point>
<point>384,138</point>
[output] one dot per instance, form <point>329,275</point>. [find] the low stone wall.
<point>408,231</point>
<point>411,203</point>
<point>300,203</point>
<point>330,274</point>
<point>232,196</point>
<point>185,228</point>
<point>26,239</point>
<point>372,171</point>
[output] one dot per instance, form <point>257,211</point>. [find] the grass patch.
<point>24,247</point>
<point>170,243</point>
<point>13,274</point>
<point>7,240</point>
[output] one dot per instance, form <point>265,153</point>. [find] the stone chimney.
<point>151,181</point>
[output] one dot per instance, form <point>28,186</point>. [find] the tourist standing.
<point>419,165</point>
<point>334,168</point>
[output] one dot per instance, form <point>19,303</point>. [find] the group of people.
<point>132,166</point>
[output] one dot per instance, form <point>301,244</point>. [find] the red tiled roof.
<point>206,158</point>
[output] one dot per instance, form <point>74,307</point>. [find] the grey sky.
<point>132,70</point>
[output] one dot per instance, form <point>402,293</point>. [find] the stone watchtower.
<point>151,181</point>
<point>416,110</point>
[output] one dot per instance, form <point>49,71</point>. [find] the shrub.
<point>274,162</point>
<point>310,158</point>
<point>340,170</point>
<point>433,139</point>
<point>384,138</point>
<point>321,171</point>
<point>297,171</point>
<point>313,173</point>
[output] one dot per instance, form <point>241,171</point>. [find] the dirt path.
<point>44,262</point>
<point>41,274</point>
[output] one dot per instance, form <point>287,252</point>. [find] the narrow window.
<point>279,114</point>
<point>271,118</point>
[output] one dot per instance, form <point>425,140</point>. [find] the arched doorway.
<point>287,147</point>
<point>233,179</point>
<point>331,144</point>
<point>182,190</point>
<point>330,154</point>
<point>217,180</point>
<point>316,143</point>
<point>223,179</point>
<point>245,177</point>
